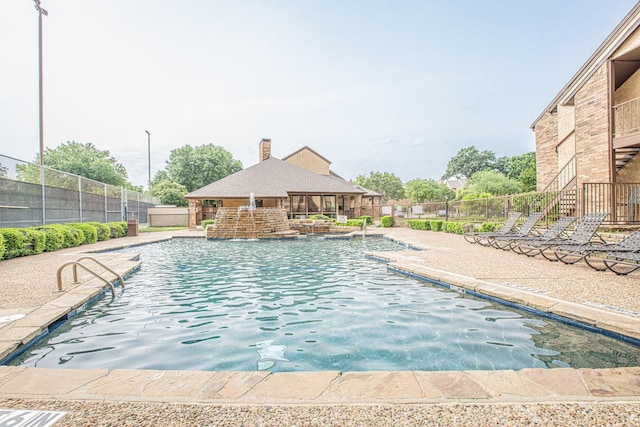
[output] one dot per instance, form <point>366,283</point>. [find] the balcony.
<point>626,131</point>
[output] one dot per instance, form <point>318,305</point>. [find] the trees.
<point>521,168</point>
<point>490,182</point>
<point>422,190</point>
<point>468,161</point>
<point>385,183</point>
<point>85,160</point>
<point>170,193</point>
<point>195,167</point>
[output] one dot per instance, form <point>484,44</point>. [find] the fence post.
<point>80,197</point>
<point>42,187</point>
<point>106,205</point>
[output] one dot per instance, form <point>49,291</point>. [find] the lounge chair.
<point>606,256</point>
<point>484,238</point>
<point>558,230</point>
<point>585,233</point>
<point>570,254</point>
<point>527,229</point>
<point>622,263</point>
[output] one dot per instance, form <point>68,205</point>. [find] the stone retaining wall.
<point>259,223</point>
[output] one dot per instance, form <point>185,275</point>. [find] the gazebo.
<point>301,183</point>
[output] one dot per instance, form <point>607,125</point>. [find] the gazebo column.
<point>357,213</point>
<point>195,207</point>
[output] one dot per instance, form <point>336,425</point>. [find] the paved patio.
<point>103,397</point>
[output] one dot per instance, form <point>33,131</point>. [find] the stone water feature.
<point>250,222</point>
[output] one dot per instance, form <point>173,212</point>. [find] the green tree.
<point>521,168</point>
<point>195,167</point>
<point>491,182</point>
<point>468,161</point>
<point>85,160</point>
<point>160,176</point>
<point>422,190</point>
<point>385,183</point>
<point>170,193</point>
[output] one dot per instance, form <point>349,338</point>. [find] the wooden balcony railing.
<point>626,118</point>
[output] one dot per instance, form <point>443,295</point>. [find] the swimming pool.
<point>306,305</point>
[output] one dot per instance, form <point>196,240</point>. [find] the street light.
<point>41,12</point>
<point>149,156</point>
<point>446,207</point>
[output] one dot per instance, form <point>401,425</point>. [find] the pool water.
<point>306,305</point>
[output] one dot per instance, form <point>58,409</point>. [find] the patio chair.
<point>597,257</point>
<point>585,233</point>
<point>558,230</point>
<point>622,263</point>
<point>483,238</point>
<point>527,229</point>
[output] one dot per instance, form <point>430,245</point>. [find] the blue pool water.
<point>306,305</point>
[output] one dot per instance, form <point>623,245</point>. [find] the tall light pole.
<point>41,11</point>
<point>149,156</point>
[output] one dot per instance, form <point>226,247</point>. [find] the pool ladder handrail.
<point>77,264</point>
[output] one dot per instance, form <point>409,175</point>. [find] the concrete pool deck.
<point>595,396</point>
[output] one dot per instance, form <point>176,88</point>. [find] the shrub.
<point>436,224</point>
<point>35,241</point>
<point>367,218</point>
<point>54,237</point>
<point>352,223</point>
<point>118,229</point>
<point>454,227</point>
<point>89,231</point>
<point>72,236</point>
<point>1,246</point>
<point>104,231</point>
<point>22,242</point>
<point>490,226</point>
<point>386,221</point>
<point>206,222</point>
<point>14,242</point>
<point>419,224</point>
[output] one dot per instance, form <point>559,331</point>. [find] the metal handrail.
<point>75,269</point>
<point>77,264</point>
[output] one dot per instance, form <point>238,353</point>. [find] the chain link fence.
<point>31,196</point>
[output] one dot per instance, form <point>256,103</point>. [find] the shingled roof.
<point>273,178</point>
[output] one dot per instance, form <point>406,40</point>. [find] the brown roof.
<point>273,178</point>
<point>306,147</point>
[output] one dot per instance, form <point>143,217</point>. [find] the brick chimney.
<point>264,149</point>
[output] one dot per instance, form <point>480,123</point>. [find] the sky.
<point>374,86</point>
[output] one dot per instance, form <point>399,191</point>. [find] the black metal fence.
<point>26,201</point>
<point>620,201</point>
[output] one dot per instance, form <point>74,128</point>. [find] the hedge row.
<point>16,242</point>
<point>356,222</point>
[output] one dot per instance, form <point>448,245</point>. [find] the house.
<point>456,183</point>
<point>588,137</point>
<point>302,183</point>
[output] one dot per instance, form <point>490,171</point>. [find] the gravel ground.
<point>155,414</point>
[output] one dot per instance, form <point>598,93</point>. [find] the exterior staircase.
<point>560,196</point>
<point>623,155</point>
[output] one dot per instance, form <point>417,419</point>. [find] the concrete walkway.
<point>554,397</point>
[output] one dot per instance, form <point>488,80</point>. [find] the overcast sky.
<point>390,86</point>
